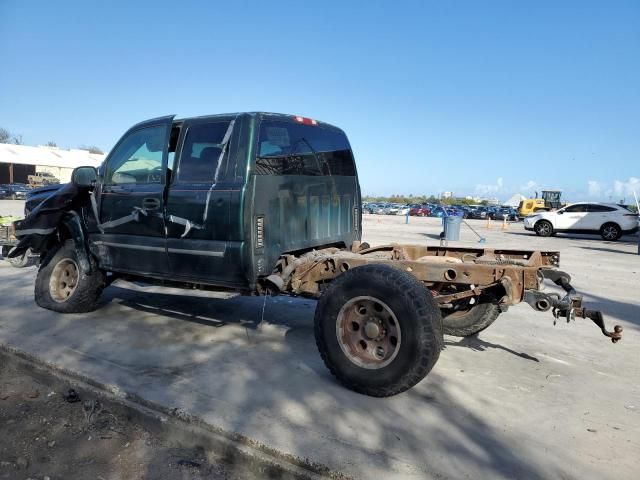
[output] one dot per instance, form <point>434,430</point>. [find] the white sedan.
<point>611,221</point>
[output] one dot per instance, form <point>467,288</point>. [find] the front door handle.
<point>150,203</point>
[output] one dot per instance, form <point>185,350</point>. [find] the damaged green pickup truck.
<point>262,203</point>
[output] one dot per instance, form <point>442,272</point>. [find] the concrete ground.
<point>12,207</point>
<point>524,399</point>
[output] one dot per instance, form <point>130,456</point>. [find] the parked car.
<point>381,209</point>
<point>459,211</point>
<point>419,210</point>
<point>14,191</point>
<point>392,209</point>
<point>445,212</point>
<point>498,213</point>
<point>611,221</point>
<point>403,210</point>
<point>479,213</point>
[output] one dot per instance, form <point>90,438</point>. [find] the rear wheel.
<point>610,232</point>
<point>378,330</point>
<point>543,228</point>
<point>62,285</point>
<point>464,323</point>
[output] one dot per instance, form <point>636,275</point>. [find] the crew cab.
<point>267,204</point>
<point>609,220</point>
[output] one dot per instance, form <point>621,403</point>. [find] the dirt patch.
<point>54,434</point>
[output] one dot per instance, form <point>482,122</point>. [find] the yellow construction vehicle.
<point>550,200</point>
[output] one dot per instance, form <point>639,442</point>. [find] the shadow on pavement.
<point>476,344</point>
<point>624,240</point>
<point>207,311</point>
<point>612,250</point>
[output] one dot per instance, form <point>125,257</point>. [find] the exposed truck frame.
<point>281,215</point>
<point>452,275</point>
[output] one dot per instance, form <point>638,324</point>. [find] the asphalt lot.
<point>525,399</point>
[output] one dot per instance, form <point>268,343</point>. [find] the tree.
<point>91,149</point>
<point>5,135</point>
<point>51,143</point>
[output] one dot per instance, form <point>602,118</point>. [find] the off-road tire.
<point>610,232</point>
<point>87,290</point>
<point>475,320</point>
<point>418,317</point>
<point>543,228</point>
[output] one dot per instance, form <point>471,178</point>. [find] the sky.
<point>483,98</point>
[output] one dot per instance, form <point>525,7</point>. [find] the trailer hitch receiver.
<point>569,306</point>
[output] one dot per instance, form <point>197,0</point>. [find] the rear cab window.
<point>293,148</point>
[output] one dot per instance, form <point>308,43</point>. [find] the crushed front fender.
<point>36,231</point>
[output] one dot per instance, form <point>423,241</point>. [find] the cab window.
<point>202,152</point>
<point>138,158</point>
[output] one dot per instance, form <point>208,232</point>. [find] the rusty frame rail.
<point>452,275</point>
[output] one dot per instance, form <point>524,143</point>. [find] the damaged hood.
<point>34,230</point>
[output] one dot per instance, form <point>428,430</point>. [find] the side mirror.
<point>560,212</point>
<point>84,177</point>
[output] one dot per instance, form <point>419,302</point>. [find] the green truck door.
<point>197,212</point>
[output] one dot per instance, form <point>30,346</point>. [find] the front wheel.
<point>63,286</point>
<point>465,323</point>
<point>543,228</point>
<point>378,330</point>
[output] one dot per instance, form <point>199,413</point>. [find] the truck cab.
<point>216,200</point>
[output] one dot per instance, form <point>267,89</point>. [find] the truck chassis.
<point>452,275</point>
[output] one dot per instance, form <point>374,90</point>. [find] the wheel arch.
<point>544,219</point>
<point>610,222</point>
<point>72,228</point>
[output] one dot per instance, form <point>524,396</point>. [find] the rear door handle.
<point>150,203</point>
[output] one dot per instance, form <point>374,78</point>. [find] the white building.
<point>447,194</point>
<point>17,162</point>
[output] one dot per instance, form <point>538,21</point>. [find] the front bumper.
<point>529,223</point>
